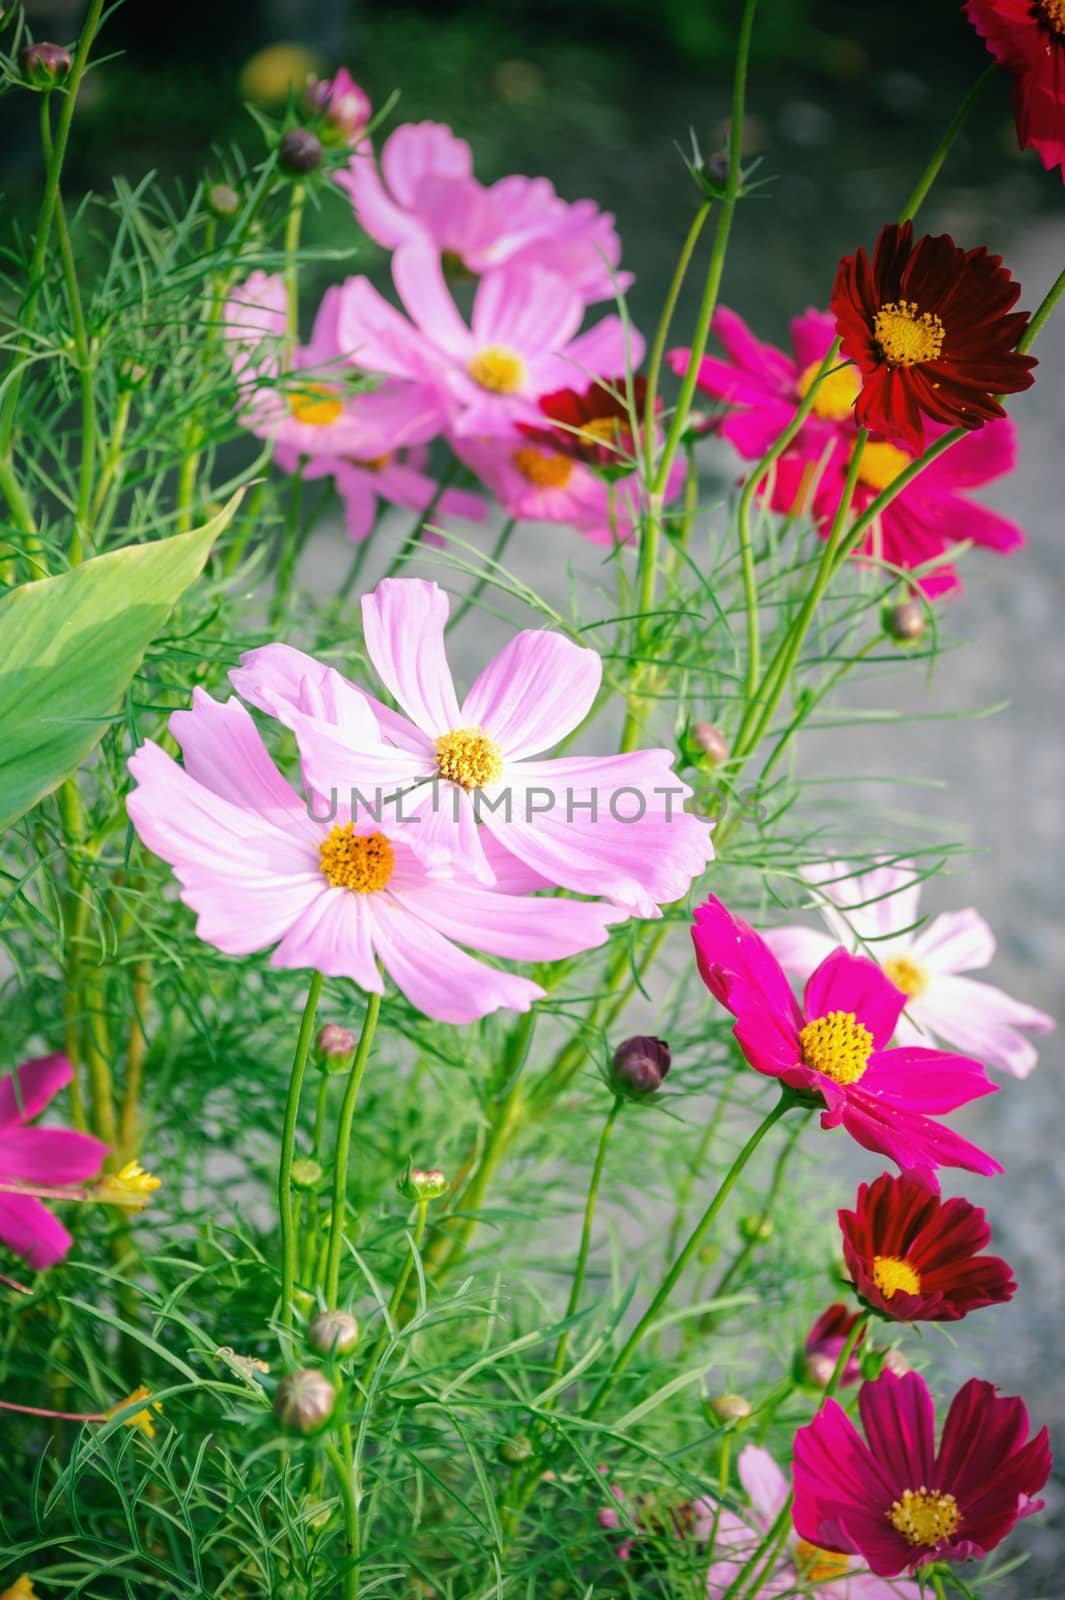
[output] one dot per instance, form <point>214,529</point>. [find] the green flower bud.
<point>304,1401</point>
<point>333,1333</point>
<point>306,1174</point>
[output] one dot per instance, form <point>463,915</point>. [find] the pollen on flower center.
<point>836,393</point>
<point>317,405</point>
<point>892,1275</point>
<point>468,757</point>
<point>545,471</point>
<point>497,369</point>
<point>601,430</point>
<point>906,974</point>
<point>925,1516</point>
<point>906,335</point>
<point>819,1566</point>
<point>1053,14</point>
<point>362,862</point>
<point>837,1045</point>
<point>881,464</point>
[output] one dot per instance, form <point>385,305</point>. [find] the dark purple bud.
<point>45,65</point>
<point>300,151</point>
<point>640,1065</point>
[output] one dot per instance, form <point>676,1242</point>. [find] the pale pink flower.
<point>397,477</point>
<point>426,193</point>
<point>343,105</point>
<point>253,325</point>
<point>50,1157</point>
<point>599,825</point>
<point>260,871</point>
<point>522,340</point>
<point>877,912</point>
<point>829,1575</point>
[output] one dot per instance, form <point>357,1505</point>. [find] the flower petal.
<point>533,693</point>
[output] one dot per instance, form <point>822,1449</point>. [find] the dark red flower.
<point>824,1343</point>
<point>1027,37</point>
<point>594,425</point>
<point>897,1501</point>
<point>916,1258</point>
<point>930,329</point>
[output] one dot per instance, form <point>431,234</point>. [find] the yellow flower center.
<point>468,757</point>
<point>925,1516</point>
<point>130,1186</point>
<point>498,369</point>
<point>1053,12</point>
<point>141,1420</point>
<point>317,404</point>
<point>21,1589</point>
<point>904,972</point>
<point>819,1566</point>
<point>604,430</point>
<point>836,393</point>
<point>891,1274</point>
<point>362,862</point>
<point>881,465</point>
<point>906,335</point>
<point>837,1045</point>
<point>546,471</point>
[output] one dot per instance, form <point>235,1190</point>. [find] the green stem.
<point>479,587</point>
<point>691,1248</point>
<point>345,1123</point>
<point>1042,315</point>
<point>285,1205</point>
<point>292,244</point>
<point>658,349</point>
<point>694,1167</point>
<point>739,1261</point>
<point>349,1499</point>
<point>579,1271</point>
<point>954,127</point>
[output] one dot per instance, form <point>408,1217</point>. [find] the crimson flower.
<point>931,330</point>
<point>897,1501</point>
<point>1027,37</point>
<point>593,425</point>
<point>915,1258</point>
<point>833,1048</point>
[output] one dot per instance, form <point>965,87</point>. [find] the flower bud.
<point>343,106</point>
<point>709,741</point>
<point>223,200</point>
<point>756,1228</point>
<point>306,1174</point>
<point>300,151</point>
<point>333,1333</point>
<point>516,1450</point>
<point>336,1047</point>
<point>906,622</point>
<point>419,1183</point>
<point>893,1360</point>
<point>304,1401</point>
<point>640,1065</point>
<point>729,1407</point>
<point>45,65</point>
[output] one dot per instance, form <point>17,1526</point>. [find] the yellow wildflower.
<point>138,1419</point>
<point>130,1186</point>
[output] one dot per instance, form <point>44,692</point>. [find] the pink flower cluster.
<point>360,402</point>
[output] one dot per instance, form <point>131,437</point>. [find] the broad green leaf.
<point>69,647</point>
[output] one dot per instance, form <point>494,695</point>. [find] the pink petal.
<point>438,978</point>
<point>983,1021</point>
<point>223,750</point>
<point>419,278</point>
<point>957,941</point>
<point>376,336</point>
<point>30,1230</point>
<point>533,693</point>
<point>812,336</point>
<point>403,625</point>
<point>920,1079</point>
<point>416,150</point>
<point>606,350</point>
<point>799,950</point>
<point>855,984</point>
<point>899,1421</point>
<point>526,309</point>
<point>50,1155</point>
<point>514,927</point>
<point>38,1081</point>
<point>765,1484</point>
<point>333,934</point>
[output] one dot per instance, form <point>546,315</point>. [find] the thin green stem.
<point>695,1166</point>
<point>691,1248</point>
<point>740,1259</point>
<point>665,321</point>
<point>349,1500</point>
<point>939,155</point>
<point>345,1123</point>
<point>1042,315</point>
<point>581,1267</point>
<point>498,550</point>
<point>292,244</point>
<point>286,1208</point>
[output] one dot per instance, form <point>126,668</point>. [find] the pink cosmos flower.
<point>253,325</point>
<point>824,1344</point>
<point>878,912</point>
<point>927,519</point>
<point>52,1157</point>
<point>736,1538</point>
<point>426,194</point>
<point>259,870</point>
<point>521,342</point>
<point>762,386</point>
<point>599,825</point>
<point>834,1046</point>
<point>397,478</point>
<point>900,1503</point>
<point>342,104</point>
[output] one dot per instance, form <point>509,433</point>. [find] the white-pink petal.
<point>533,693</point>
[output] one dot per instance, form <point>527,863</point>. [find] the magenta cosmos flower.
<point>878,913</point>
<point>1027,37</point>
<point>762,386</point>
<point>897,1501</point>
<point>474,773</point>
<point>260,871</point>
<point>834,1046</point>
<point>426,194</point>
<point>916,1258</point>
<point>49,1157</point>
<point>928,519</point>
<point>836,1575</point>
<point>521,342</point>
